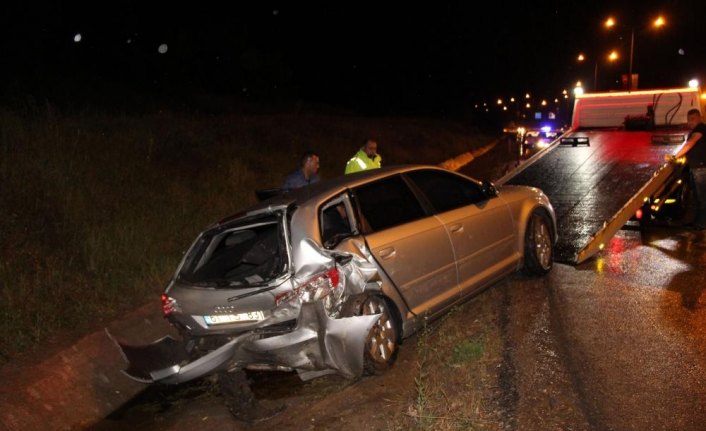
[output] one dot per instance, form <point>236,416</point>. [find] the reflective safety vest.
<point>361,162</point>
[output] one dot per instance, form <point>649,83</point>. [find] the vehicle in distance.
<point>538,138</point>
<point>533,136</point>
<point>331,277</point>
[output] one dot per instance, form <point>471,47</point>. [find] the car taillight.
<point>169,305</point>
<point>319,286</point>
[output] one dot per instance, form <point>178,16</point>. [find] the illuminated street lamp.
<point>657,23</point>
<point>581,59</point>
<point>611,57</point>
<point>578,90</point>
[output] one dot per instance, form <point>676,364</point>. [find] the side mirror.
<point>488,189</point>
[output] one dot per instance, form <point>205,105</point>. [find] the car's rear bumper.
<point>318,343</point>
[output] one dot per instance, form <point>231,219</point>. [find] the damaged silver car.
<point>331,277</point>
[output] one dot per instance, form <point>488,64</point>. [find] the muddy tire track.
<point>538,390</point>
<point>508,397</point>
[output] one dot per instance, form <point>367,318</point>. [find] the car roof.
<point>326,188</point>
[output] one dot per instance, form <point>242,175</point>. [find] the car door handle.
<point>456,227</point>
<point>387,253</point>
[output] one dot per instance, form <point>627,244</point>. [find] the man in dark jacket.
<point>306,174</point>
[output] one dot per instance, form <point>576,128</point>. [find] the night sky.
<point>381,58</point>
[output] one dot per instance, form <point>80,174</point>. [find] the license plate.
<point>219,319</point>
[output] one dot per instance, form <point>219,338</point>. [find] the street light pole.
<point>610,22</point>
<point>580,59</point>
<point>632,48</point>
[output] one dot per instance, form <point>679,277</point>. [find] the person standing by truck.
<point>695,151</point>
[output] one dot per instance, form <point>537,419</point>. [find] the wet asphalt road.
<point>632,323</point>
<point>617,343</point>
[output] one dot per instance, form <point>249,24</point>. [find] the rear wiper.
<point>255,292</point>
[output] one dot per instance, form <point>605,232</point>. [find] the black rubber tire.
<point>383,341</point>
<point>237,396</point>
<point>685,199</point>
<point>539,244</point>
<point>240,400</point>
<point>646,219</point>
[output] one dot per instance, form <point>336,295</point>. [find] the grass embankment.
<point>95,210</point>
<point>456,375</point>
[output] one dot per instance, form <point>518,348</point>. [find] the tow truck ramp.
<point>605,174</point>
<point>596,189</point>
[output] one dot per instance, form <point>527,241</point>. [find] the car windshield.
<point>249,253</point>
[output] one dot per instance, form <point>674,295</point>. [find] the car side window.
<point>335,223</point>
<point>446,191</point>
<point>387,203</point>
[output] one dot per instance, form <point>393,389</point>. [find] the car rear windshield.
<point>247,254</point>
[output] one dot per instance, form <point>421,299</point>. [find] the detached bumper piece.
<point>575,141</point>
<point>161,354</point>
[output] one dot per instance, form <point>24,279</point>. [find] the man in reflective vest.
<point>366,158</point>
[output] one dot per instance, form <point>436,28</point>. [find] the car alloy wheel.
<point>381,345</point>
<point>539,247</point>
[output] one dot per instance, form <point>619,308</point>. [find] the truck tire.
<point>646,219</point>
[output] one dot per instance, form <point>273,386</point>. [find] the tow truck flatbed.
<point>589,185</point>
<point>603,171</point>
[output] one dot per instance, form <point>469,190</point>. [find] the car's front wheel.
<point>383,339</point>
<point>539,246</point>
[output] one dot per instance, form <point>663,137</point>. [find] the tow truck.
<point>615,164</point>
